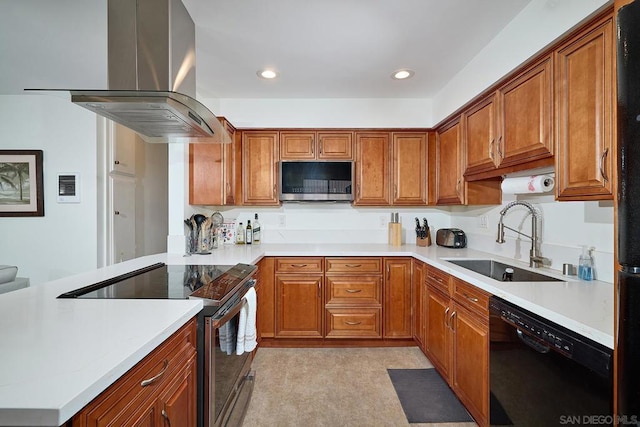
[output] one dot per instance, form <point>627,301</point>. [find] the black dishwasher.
<point>542,374</point>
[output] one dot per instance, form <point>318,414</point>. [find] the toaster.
<point>451,238</point>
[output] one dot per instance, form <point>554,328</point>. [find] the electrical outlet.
<point>282,220</point>
<point>383,221</point>
<point>483,221</point>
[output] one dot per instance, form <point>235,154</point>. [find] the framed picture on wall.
<point>21,188</point>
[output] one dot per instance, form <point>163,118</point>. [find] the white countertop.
<point>58,354</point>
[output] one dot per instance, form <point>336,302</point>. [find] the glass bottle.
<point>256,230</point>
<point>585,265</point>
<point>240,234</point>
<point>249,239</point>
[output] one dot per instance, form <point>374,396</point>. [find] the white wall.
<point>309,113</point>
<point>63,242</point>
<point>539,24</point>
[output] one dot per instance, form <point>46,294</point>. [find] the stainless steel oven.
<point>542,374</point>
<point>228,379</point>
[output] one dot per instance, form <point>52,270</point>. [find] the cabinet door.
<point>470,375</point>
<point>335,146</point>
<point>417,291</point>
<point>123,149</point>
<point>479,129</point>
<point>586,115</point>
<point>124,218</point>
<point>259,160</point>
<point>265,293</point>
<point>397,298</point>
<point>409,168</point>
<point>206,185</point>
<point>297,145</point>
<point>372,169</point>
<point>526,116</point>
<point>177,406</point>
<point>229,166</point>
<point>437,337</point>
<point>449,159</point>
<point>298,306</point>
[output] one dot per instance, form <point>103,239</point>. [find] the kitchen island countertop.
<point>59,354</point>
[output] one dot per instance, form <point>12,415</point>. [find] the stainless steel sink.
<point>498,271</point>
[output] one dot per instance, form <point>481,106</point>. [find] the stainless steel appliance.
<point>451,238</point>
<point>303,180</point>
<point>628,337</point>
<point>543,374</point>
<point>225,380</point>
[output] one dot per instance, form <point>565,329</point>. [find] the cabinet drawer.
<point>343,289</point>
<point>299,265</point>
<point>354,323</point>
<point>438,279</point>
<point>353,265</point>
<point>127,396</point>
<point>470,296</point>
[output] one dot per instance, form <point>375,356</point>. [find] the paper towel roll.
<point>528,184</point>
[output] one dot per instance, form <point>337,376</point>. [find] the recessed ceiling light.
<point>267,74</point>
<point>402,74</point>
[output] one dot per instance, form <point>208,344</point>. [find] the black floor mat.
<point>426,397</point>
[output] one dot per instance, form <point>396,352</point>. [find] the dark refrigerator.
<point>628,83</point>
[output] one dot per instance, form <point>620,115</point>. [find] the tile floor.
<point>330,387</point>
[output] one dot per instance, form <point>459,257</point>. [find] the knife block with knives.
<point>423,233</point>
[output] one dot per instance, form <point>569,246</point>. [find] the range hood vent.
<point>152,75</point>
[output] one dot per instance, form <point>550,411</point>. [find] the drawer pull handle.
<point>151,380</point>
<point>353,291</point>
<point>353,265</point>
<point>470,298</point>
<point>352,323</point>
<point>166,418</point>
<point>298,265</point>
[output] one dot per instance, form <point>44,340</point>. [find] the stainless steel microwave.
<point>304,180</point>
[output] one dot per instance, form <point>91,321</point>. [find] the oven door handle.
<point>530,342</point>
<point>233,310</point>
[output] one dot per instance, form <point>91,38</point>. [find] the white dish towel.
<point>247,323</point>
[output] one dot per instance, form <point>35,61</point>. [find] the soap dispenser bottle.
<point>585,265</point>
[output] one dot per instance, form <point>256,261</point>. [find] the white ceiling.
<point>339,48</point>
<point>321,48</point>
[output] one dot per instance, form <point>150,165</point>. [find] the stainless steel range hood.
<point>151,60</point>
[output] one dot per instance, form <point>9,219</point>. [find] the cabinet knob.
<point>117,162</point>
<point>116,212</point>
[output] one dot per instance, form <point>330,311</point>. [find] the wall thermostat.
<point>68,188</point>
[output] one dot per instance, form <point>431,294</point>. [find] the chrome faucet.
<point>535,260</point>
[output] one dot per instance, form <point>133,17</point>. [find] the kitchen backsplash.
<point>564,227</point>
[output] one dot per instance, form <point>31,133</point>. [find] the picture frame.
<point>21,183</point>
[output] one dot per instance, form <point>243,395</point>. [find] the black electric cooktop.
<point>160,281</point>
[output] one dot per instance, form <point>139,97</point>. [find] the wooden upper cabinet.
<point>372,169</point>
<point>409,168</point>
<point>480,136</point>
<point>526,116</point>
<point>585,102</point>
<point>449,160</point>
<point>311,145</point>
<point>259,162</point>
<point>212,172</point>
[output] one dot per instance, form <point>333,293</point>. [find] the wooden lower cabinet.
<point>299,305</point>
<point>159,391</point>
<point>457,339</point>
<point>418,297</point>
<point>397,297</point>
